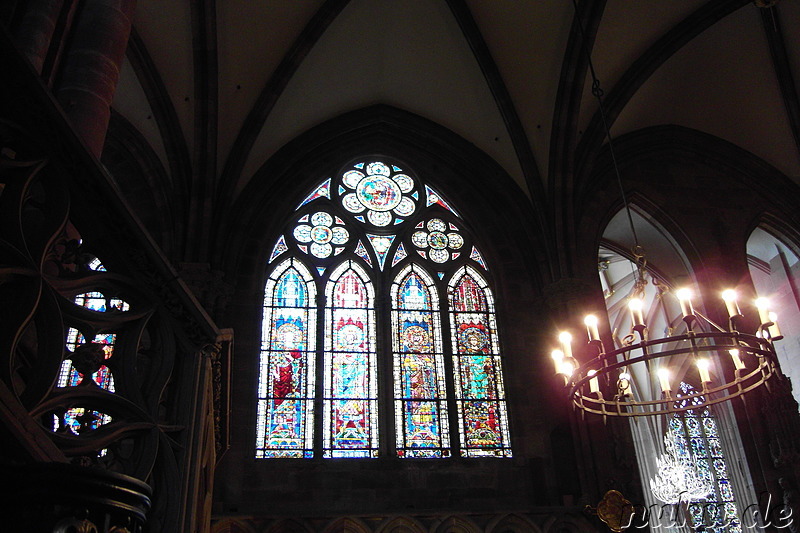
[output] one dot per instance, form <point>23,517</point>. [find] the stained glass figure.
<point>435,199</point>
<point>381,244</point>
<point>350,403</point>
<point>480,397</point>
<point>383,192</point>
<point>421,423</point>
<point>323,191</point>
<point>697,436</point>
<point>287,370</point>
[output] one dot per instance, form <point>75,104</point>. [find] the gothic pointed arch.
<point>232,525</point>
<point>401,524</point>
<point>705,435</point>
<point>376,269</point>
<point>457,524</point>
<point>288,525</point>
<point>513,523</point>
<point>774,264</point>
<point>347,525</point>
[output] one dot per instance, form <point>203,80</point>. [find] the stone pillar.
<point>91,67</point>
<point>34,35</point>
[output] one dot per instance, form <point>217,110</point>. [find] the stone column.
<point>91,67</point>
<point>34,35</point>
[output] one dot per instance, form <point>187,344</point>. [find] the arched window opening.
<point>287,375</point>
<point>706,439</point>
<point>483,425</point>
<point>401,283</point>
<point>419,374</point>
<point>351,385</point>
<point>775,271</point>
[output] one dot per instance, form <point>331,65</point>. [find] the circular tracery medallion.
<point>379,193</point>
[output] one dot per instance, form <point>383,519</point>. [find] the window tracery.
<point>400,286</point>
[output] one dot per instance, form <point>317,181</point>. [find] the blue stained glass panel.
<point>725,490</point>
<point>696,436</point>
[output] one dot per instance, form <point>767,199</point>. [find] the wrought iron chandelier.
<point>635,379</point>
<point>740,362</point>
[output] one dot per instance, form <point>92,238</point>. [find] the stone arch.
<point>401,524</point>
<point>567,523</point>
<point>232,525</point>
<point>457,524</point>
<point>512,523</point>
<point>347,525</point>
<point>288,525</point>
<point>774,264</point>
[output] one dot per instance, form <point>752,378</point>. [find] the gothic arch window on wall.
<point>379,333</point>
<point>705,438</point>
<point>775,271</point>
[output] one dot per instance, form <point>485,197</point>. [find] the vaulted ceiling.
<point>216,88</point>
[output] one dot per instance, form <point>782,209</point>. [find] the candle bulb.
<point>737,360</point>
<point>729,296</point>
<point>624,382</point>
<point>663,378</point>
<point>774,330</point>
<point>762,304</point>
<point>566,369</point>
<point>635,305</point>
<point>685,297</point>
<point>594,384</point>
<point>566,343</point>
<point>702,366</point>
<point>591,327</point>
<point>558,358</point>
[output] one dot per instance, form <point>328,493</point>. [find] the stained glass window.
<point>350,418</point>
<point>287,378</point>
<point>78,419</point>
<point>421,424</point>
<point>696,434</point>
<point>483,423</point>
<point>378,330</point>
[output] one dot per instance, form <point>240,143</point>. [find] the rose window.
<point>437,243</point>
<point>321,234</point>
<point>383,191</point>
